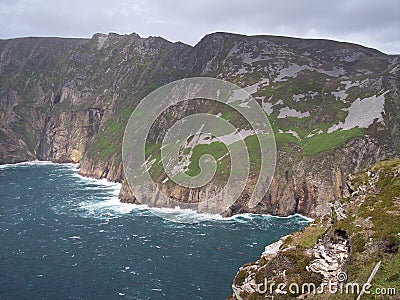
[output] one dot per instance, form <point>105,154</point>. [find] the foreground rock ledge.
<point>339,248</point>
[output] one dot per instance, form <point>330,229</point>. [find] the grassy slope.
<point>373,225</point>
<point>382,240</point>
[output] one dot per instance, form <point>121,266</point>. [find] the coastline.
<point>177,210</point>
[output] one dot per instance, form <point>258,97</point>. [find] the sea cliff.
<point>333,106</point>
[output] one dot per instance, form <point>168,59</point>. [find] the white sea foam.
<point>184,215</point>
<point>30,163</point>
<point>100,182</point>
<point>105,206</point>
<point>104,209</point>
<point>112,208</point>
<point>109,206</point>
<point>115,208</point>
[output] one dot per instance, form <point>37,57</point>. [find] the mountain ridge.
<point>69,100</point>
<point>270,36</point>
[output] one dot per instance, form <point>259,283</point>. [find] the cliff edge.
<point>338,253</point>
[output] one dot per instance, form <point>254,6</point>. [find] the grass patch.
<point>216,149</point>
<point>310,235</point>
<point>103,147</point>
<point>329,141</point>
<point>286,138</point>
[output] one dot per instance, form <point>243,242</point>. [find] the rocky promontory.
<point>359,237</point>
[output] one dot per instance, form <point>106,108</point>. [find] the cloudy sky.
<point>373,23</point>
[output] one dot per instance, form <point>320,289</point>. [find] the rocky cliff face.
<point>332,105</point>
<point>338,249</point>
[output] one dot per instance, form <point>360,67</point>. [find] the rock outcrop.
<point>329,258</point>
<point>334,256</point>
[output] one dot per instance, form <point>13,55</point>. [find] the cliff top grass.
<point>371,223</point>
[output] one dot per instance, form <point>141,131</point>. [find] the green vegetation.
<point>309,236</point>
<point>108,140</point>
<point>371,225</point>
<point>102,147</point>
<point>240,277</point>
<point>378,239</point>
<point>216,149</point>
<point>153,152</point>
<point>313,145</point>
<point>374,225</point>
<point>329,141</point>
<point>319,142</point>
<point>285,138</point>
<point>299,261</point>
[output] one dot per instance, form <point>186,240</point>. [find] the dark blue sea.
<point>63,236</point>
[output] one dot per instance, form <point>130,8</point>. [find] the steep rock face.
<point>332,105</point>
<point>360,234</point>
<point>59,95</point>
<point>65,135</point>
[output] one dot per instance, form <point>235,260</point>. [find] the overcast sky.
<point>372,23</point>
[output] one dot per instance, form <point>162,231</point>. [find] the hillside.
<point>342,247</point>
<point>333,107</point>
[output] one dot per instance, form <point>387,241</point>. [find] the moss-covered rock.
<point>368,233</point>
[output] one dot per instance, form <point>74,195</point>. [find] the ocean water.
<point>63,236</point>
